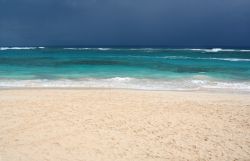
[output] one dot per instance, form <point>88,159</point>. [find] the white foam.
<point>214,50</point>
<point>136,49</point>
<point>224,59</point>
<point>231,59</point>
<point>104,49</point>
<point>244,50</point>
<point>77,48</point>
<point>20,48</point>
<point>121,79</point>
<point>195,83</point>
<point>244,86</point>
<point>177,57</point>
<point>209,50</point>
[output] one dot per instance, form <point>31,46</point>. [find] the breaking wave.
<point>101,49</point>
<point>230,59</point>
<point>20,48</point>
<point>214,50</point>
<point>224,59</point>
<point>195,83</point>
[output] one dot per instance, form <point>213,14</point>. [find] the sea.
<point>126,68</point>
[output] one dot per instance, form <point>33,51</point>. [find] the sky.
<point>170,23</point>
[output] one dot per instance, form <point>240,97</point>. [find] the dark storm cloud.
<point>125,22</point>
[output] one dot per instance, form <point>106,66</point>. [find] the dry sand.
<point>117,125</point>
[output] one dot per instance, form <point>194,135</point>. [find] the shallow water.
<point>138,68</point>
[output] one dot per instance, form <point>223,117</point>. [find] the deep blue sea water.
<point>138,68</point>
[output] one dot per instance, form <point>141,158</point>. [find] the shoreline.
<point>211,91</point>
<point>194,83</point>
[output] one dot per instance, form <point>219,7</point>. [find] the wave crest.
<point>214,50</point>
<point>20,48</point>
<point>223,59</point>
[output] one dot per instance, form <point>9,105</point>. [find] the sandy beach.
<point>119,125</point>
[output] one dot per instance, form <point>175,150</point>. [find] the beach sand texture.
<point>123,125</point>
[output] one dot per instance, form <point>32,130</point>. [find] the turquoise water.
<point>157,69</point>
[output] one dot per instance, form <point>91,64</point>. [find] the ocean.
<point>129,68</point>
